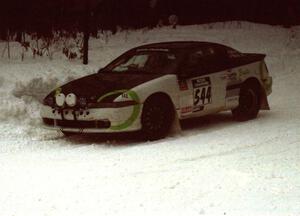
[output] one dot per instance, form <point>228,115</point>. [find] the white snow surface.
<point>216,166</point>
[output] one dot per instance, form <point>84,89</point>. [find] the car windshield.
<point>145,61</point>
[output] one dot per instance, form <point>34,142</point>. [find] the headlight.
<point>60,99</point>
<point>49,101</point>
<point>71,99</point>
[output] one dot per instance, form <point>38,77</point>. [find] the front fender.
<point>166,84</point>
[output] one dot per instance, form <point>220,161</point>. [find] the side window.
<point>162,62</point>
<point>201,61</point>
<point>232,54</point>
<point>137,61</point>
<point>194,60</point>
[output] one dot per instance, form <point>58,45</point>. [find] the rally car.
<point>150,87</point>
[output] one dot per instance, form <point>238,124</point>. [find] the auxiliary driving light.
<point>60,99</point>
<point>71,99</point>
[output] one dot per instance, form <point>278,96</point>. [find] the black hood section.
<point>94,86</point>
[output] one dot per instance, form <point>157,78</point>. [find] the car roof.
<point>178,45</point>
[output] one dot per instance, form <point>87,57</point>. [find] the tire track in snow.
<point>226,153</point>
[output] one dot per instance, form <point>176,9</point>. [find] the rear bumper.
<point>267,85</point>
<point>96,120</point>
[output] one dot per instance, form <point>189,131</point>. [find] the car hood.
<point>96,85</point>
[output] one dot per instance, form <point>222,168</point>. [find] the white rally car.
<point>150,87</point>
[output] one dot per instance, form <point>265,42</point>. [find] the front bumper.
<point>93,120</point>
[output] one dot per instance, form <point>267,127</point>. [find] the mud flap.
<point>176,127</point>
<point>264,104</point>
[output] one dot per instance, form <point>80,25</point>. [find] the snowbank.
<point>25,83</point>
<point>215,167</point>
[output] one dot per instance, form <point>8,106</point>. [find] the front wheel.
<point>248,103</point>
<point>157,117</point>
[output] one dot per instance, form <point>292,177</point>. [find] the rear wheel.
<point>157,117</point>
<point>248,102</point>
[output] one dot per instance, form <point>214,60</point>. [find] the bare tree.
<point>86,32</point>
<point>7,47</point>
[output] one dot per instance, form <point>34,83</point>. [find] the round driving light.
<point>71,99</point>
<point>60,99</point>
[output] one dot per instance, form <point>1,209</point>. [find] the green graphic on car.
<point>135,112</point>
<point>58,91</point>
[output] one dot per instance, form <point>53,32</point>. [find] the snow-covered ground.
<point>216,166</point>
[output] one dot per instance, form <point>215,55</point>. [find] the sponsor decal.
<point>135,112</point>
<point>125,95</point>
<point>232,77</point>
<point>232,99</point>
<point>198,108</point>
<point>197,83</point>
<point>187,109</point>
<point>202,91</point>
<point>243,72</point>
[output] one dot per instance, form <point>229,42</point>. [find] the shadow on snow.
<point>189,126</point>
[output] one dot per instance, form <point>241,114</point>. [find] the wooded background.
<point>44,16</point>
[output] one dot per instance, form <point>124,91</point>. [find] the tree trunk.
<point>86,33</point>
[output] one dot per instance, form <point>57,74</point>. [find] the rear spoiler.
<point>255,56</point>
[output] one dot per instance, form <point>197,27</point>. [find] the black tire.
<point>157,117</point>
<point>249,102</point>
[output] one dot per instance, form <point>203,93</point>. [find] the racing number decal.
<point>202,96</point>
<point>202,91</point>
